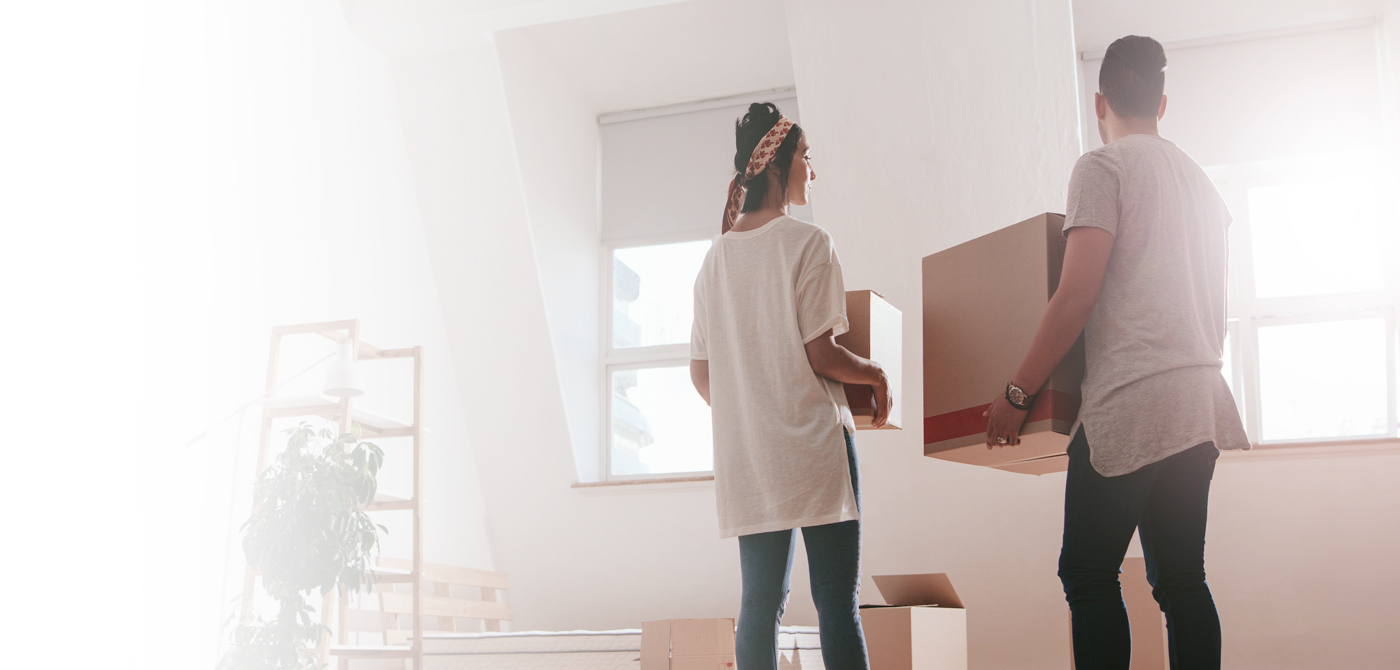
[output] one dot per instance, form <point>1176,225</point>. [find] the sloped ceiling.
<point>672,53</point>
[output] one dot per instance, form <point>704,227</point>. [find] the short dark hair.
<point>1133,76</point>
<point>748,131</point>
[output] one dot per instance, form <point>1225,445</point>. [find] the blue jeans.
<point>1166,502</point>
<point>833,558</point>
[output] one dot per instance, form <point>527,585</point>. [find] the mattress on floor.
<point>799,649</point>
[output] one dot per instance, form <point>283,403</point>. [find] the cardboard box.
<point>875,333</point>
<point>924,626</point>
<point>983,300</point>
<point>688,644</point>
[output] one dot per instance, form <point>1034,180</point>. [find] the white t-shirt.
<point>1152,384</point>
<point>780,457</point>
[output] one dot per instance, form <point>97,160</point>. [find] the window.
<point>656,423</point>
<point>1314,293</point>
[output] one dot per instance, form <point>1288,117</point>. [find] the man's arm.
<point>837,363</point>
<point>1086,259</point>
<point>700,377</point>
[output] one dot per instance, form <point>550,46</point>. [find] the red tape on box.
<point>1048,404</point>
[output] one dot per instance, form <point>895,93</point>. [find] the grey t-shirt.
<point>1153,385</point>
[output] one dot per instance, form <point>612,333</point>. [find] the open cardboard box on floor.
<point>875,334</point>
<point>983,300</point>
<point>923,626</point>
<point>688,644</point>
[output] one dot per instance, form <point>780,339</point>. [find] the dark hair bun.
<point>760,119</point>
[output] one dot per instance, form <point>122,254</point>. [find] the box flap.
<point>656,645</point>
<point>934,590</point>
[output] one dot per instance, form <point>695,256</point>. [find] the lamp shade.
<point>343,379</point>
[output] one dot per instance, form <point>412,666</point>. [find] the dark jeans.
<point>833,559</point>
<point>1166,503</point>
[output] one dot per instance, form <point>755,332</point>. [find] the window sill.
<point>628,485</point>
<point>1370,446</point>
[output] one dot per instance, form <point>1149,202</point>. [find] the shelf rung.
<point>388,505</point>
<point>303,410</point>
<point>389,353</point>
<point>347,651</point>
<point>369,432</point>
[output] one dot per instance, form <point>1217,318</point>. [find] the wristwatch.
<point>1018,397</point>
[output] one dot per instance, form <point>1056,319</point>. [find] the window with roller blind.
<point>665,174</point>
<point>1314,293</point>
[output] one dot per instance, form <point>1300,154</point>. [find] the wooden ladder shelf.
<point>371,426</point>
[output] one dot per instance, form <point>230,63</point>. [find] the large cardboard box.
<point>688,644</point>
<point>983,300</point>
<point>875,333</point>
<point>924,626</point>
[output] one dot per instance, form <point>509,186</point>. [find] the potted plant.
<point>308,531</point>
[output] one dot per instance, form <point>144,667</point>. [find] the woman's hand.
<point>883,400</point>
<point>1003,424</point>
<point>837,363</point>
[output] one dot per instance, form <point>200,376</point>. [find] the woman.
<point>769,302</point>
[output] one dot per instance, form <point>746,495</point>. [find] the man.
<point>1144,279</point>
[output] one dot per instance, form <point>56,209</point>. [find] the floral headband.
<point>762,156</point>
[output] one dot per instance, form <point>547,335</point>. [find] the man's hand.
<point>1004,422</point>
<point>1086,260</point>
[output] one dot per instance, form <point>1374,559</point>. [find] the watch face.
<point>1017,395</point>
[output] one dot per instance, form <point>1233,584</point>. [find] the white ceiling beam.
<point>392,27</point>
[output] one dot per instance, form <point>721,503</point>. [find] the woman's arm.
<point>837,363</point>
<point>700,377</point>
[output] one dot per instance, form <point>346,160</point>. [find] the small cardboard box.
<point>983,300</point>
<point>688,644</point>
<point>924,626</point>
<point>875,334</point>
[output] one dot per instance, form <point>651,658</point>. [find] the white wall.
<point>929,137</point>
<point>275,189</point>
<point>556,141</point>
<point>68,198</point>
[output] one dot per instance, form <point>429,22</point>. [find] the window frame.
<point>634,358</point>
<point>1246,313</point>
